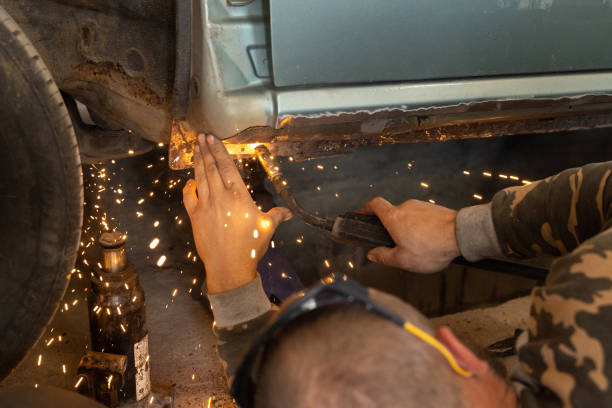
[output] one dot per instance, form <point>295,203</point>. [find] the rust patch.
<point>112,75</point>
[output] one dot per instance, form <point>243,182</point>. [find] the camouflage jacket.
<point>566,355</point>
<point>568,352</point>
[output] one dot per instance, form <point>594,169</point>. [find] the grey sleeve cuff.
<point>476,235</point>
<point>239,305</point>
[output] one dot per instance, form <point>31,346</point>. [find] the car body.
<point>319,77</point>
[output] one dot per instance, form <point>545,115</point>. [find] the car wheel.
<point>41,195</point>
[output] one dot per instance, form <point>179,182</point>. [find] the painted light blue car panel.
<point>322,42</point>
<point>234,91</point>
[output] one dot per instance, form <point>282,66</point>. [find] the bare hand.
<point>424,235</point>
<point>231,234</point>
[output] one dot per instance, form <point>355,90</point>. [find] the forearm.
<point>551,216</point>
<point>240,315</point>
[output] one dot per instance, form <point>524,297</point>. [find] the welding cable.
<point>282,188</point>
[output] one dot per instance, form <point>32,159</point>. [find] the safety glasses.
<point>332,290</point>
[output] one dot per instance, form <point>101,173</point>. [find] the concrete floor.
<point>132,194</point>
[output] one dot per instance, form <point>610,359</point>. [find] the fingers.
<point>215,184</point>
<point>200,174</point>
<point>190,198</point>
<point>383,255</point>
<point>227,169</point>
<point>278,215</point>
<point>378,206</point>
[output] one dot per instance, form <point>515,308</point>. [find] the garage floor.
<point>141,196</point>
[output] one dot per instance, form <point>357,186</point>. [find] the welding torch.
<point>365,229</point>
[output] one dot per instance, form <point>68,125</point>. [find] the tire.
<point>41,195</point>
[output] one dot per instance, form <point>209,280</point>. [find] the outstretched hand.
<point>231,234</point>
<point>424,235</point>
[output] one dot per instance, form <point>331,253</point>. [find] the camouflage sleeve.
<point>233,342</point>
<point>555,215</point>
<point>240,315</point>
<point>568,353</point>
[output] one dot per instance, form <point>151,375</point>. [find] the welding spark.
<point>478,196</point>
<point>514,177</point>
<point>272,244</point>
<point>174,292</point>
<point>526,182</point>
<point>503,176</point>
<point>161,260</point>
<point>64,368</point>
<point>255,234</point>
<point>141,201</point>
<point>327,264</point>
<point>80,380</point>
<point>467,173</point>
<point>424,185</point>
<point>431,201</point>
<point>320,166</point>
<point>229,214</point>
<point>139,214</point>
<point>486,174</point>
<point>209,401</point>
<point>50,341</point>
<point>153,244</point>
<point>122,327</point>
<point>39,360</point>
<point>253,253</point>
<point>156,224</point>
<point>350,264</point>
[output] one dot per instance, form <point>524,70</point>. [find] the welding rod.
<point>282,188</point>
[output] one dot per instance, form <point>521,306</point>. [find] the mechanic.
<point>349,355</point>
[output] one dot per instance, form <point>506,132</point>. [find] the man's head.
<point>346,356</point>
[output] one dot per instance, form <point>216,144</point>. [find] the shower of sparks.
<point>153,244</point>
<point>161,260</point>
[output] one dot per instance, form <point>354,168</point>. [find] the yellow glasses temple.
<point>438,346</point>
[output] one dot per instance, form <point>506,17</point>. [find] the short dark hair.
<point>346,356</point>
